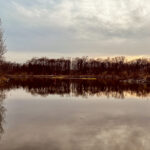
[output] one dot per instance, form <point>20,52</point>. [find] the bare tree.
<point>2,43</point>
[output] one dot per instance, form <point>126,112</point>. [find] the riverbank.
<point>107,78</point>
<point>3,80</point>
<point>87,77</point>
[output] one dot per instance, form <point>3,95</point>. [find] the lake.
<point>74,115</point>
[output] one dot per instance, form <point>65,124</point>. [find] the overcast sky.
<point>93,28</point>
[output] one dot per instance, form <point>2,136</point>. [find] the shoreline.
<point>6,78</point>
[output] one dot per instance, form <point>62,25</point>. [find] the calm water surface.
<point>54,122</point>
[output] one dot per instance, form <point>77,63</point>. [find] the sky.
<point>71,28</point>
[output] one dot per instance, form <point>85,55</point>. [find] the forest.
<point>114,68</point>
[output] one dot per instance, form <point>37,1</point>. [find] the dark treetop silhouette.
<point>115,68</point>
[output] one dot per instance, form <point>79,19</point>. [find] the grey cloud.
<point>85,26</point>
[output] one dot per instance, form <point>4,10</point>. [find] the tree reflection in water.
<point>2,111</point>
<point>44,87</point>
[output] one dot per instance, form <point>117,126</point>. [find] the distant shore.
<point>116,70</point>
<point>88,77</point>
<point>6,78</point>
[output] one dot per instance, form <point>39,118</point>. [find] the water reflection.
<point>66,125</point>
<point>59,124</point>
<point>44,87</point>
<point>2,110</point>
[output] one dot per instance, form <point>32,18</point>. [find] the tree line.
<point>117,66</point>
